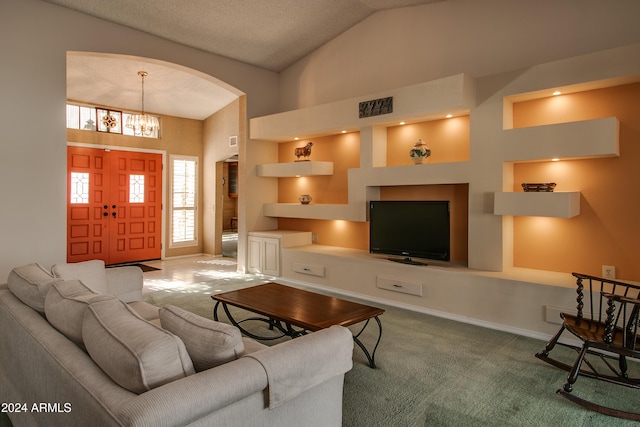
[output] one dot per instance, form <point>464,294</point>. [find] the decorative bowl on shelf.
<point>539,187</point>
<point>305,199</point>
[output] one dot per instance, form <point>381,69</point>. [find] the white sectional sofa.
<point>79,347</point>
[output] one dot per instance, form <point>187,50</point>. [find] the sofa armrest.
<point>125,283</point>
<point>329,352</point>
<point>189,399</point>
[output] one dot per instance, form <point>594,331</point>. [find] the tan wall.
<point>607,229</point>
<point>178,136</point>
<point>227,122</point>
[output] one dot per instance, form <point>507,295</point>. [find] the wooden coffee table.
<point>286,307</point>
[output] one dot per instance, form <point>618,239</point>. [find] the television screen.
<point>411,228</point>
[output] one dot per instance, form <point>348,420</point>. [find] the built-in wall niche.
<point>343,150</point>
<point>355,235</point>
<point>448,140</point>
<point>605,232</point>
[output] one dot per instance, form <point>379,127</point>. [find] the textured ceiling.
<point>271,34</point>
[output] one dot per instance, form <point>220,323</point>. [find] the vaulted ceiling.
<point>269,34</point>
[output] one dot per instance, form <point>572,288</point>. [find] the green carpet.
<point>437,372</point>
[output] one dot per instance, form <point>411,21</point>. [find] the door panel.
<point>121,220</point>
<point>87,225</point>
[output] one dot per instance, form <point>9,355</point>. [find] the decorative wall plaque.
<point>376,107</point>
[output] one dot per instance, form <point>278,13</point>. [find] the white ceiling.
<point>270,34</point>
<point>113,81</point>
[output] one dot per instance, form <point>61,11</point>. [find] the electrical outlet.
<point>609,271</point>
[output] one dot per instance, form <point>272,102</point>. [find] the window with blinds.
<point>183,202</point>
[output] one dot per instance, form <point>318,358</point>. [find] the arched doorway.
<point>195,122</point>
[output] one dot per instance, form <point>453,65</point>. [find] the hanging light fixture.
<point>142,124</point>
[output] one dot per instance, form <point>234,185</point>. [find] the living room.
<point>510,56</point>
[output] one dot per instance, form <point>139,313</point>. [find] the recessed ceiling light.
<point>449,116</point>
<point>402,123</point>
<point>557,92</point>
<point>344,131</point>
<point>555,159</point>
<point>296,138</point>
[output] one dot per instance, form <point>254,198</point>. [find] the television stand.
<point>407,260</point>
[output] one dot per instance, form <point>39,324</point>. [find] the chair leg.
<point>551,343</point>
<point>622,363</point>
<point>575,371</point>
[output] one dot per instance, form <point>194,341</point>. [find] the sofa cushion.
<point>208,342</point>
<point>30,283</point>
<point>92,273</point>
<point>65,304</point>
<point>145,310</point>
<point>136,354</point>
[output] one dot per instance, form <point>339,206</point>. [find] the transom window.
<point>95,119</point>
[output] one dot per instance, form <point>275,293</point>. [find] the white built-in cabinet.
<point>264,249</point>
<point>264,255</point>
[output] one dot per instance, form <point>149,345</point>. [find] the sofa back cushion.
<point>65,304</point>
<point>92,273</point>
<point>208,342</point>
<point>30,283</point>
<point>136,354</point>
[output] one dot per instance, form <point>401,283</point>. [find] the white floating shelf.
<point>559,204</point>
<point>313,211</point>
<point>304,168</point>
<point>583,139</point>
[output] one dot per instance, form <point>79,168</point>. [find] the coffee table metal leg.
<point>286,330</point>
<point>370,356</point>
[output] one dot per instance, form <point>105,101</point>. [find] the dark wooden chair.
<point>606,323</point>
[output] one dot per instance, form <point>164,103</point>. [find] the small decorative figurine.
<point>419,152</point>
<point>304,151</point>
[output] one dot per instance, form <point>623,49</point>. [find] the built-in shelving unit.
<point>560,204</point>
<point>425,101</point>
<point>292,169</point>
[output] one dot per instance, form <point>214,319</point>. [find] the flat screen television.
<point>410,229</point>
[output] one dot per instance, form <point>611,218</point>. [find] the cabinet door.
<point>254,254</point>
<point>271,260</point>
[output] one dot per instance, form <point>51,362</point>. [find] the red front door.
<point>114,205</point>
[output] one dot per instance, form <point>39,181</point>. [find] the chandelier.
<point>142,124</point>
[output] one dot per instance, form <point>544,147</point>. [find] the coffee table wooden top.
<point>298,307</point>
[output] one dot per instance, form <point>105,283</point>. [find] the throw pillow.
<point>136,354</point>
<point>65,304</point>
<point>30,283</point>
<point>91,273</point>
<point>208,342</point>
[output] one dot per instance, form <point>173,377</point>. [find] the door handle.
<point>113,214</point>
<point>113,206</point>
<point>105,214</point>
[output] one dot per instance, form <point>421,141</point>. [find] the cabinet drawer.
<point>314,270</point>
<point>390,284</point>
